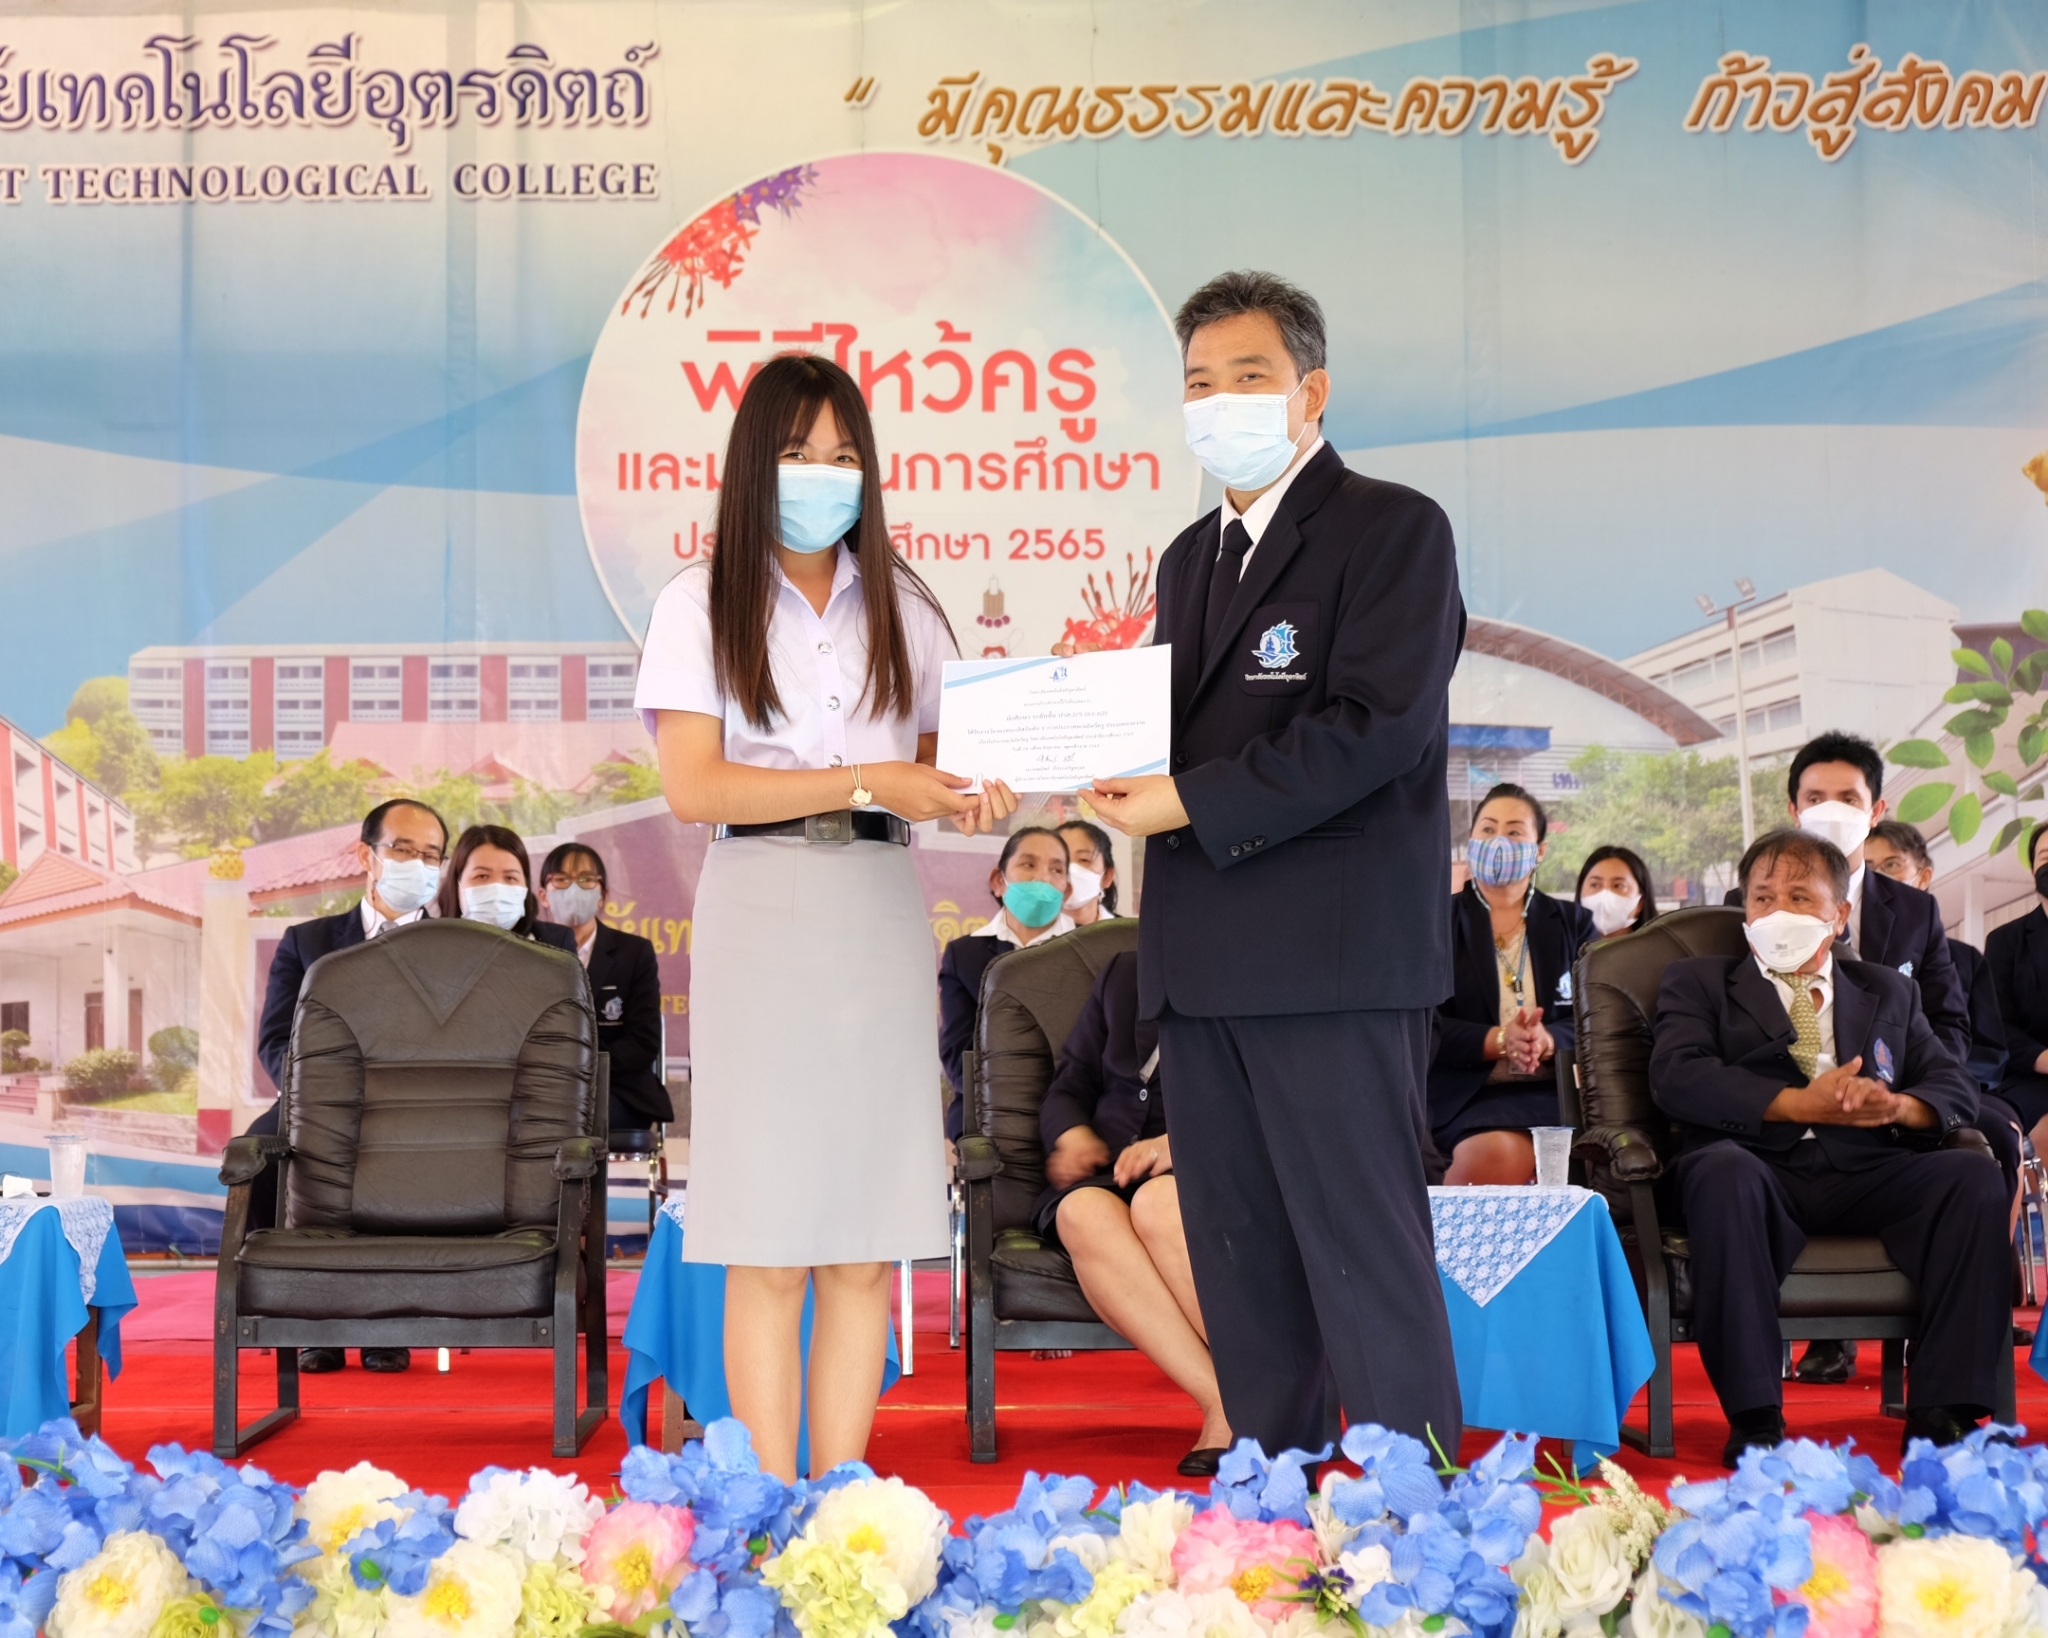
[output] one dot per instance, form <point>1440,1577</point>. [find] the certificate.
<point>1057,724</point>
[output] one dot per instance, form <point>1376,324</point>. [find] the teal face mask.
<point>818,505</point>
<point>1034,904</point>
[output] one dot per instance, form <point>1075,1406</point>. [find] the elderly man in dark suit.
<point>1809,1093</point>
<point>401,848</point>
<point>1294,944</point>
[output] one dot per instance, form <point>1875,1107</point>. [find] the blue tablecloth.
<point>42,1309</point>
<point>1562,1349</point>
<point>676,1332</point>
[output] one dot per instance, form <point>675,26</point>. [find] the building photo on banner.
<point>367,372</point>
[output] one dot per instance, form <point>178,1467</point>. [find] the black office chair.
<point>1842,1286</point>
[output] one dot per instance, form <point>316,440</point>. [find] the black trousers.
<point>1298,1144</point>
<point>1941,1216</point>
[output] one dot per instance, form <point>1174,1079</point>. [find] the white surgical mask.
<point>575,905</point>
<point>1240,437</point>
<point>1785,940</point>
<point>1842,823</point>
<point>406,884</point>
<point>1611,911</point>
<point>499,903</point>
<point>1084,886</point>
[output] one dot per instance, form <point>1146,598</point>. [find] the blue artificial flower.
<point>1981,1486</point>
<point>1008,1561</point>
<point>395,1553</point>
<point>235,1531</point>
<point>1398,1476</point>
<point>1254,1486</point>
<point>19,1617</point>
<point>1745,1538</point>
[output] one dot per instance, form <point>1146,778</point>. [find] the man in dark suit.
<point>1293,942</point>
<point>401,848</point>
<point>1809,1092</point>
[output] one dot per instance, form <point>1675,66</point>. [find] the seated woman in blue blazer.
<point>1512,948</point>
<point>1111,1200</point>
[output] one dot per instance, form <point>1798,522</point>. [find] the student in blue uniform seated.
<point>1112,1200</point>
<point>1512,948</point>
<point>1808,1095</point>
<point>1029,886</point>
<point>1615,890</point>
<point>490,879</point>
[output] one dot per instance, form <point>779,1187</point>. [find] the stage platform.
<point>1112,1416</point>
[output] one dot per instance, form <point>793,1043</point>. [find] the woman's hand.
<point>1078,1153</point>
<point>1144,1159</point>
<point>995,804</point>
<point>1525,1043</point>
<point>917,792</point>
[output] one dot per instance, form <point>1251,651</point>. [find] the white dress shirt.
<point>1856,908</point>
<point>1000,928</point>
<point>1260,513</point>
<point>375,921</point>
<point>819,663</point>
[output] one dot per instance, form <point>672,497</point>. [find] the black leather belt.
<point>846,825</point>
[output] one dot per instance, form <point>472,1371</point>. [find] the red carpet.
<point>1112,1415</point>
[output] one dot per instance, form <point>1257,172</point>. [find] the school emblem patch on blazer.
<point>614,1009</point>
<point>1276,646</point>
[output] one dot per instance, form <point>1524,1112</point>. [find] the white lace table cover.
<point>672,1209</point>
<point>1486,1234</point>
<point>88,1220</point>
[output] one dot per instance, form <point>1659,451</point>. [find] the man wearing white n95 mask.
<point>1809,1096</point>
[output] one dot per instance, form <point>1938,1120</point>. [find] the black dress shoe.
<point>2022,1337</point>
<point>319,1361</point>
<point>1201,1462</point>
<point>387,1359</point>
<point>1827,1360</point>
<point>1764,1429</point>
<point>1937,1424</point>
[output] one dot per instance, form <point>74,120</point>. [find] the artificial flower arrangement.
<point>1805,1541</point>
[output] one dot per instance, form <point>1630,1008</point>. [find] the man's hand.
<point>1142,1160</point>
<point>1078,1153</point>
<point>1143,806</point>
<point>1842,1097</point>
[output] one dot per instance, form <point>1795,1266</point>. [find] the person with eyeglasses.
<point>625,985</point>
<point>401,849</point>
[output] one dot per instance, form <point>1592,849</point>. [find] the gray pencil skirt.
<point>815,1126</point>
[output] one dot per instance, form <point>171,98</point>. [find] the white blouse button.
<point>824,648</point>
<point>839,762</point>
<point>833,703</point>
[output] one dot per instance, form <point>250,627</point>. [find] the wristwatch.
<point>861,796</point>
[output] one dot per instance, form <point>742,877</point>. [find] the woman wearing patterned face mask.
<point>1512,950</point>
<point>625,986</point>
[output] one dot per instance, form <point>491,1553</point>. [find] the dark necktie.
<point>1223,579</point>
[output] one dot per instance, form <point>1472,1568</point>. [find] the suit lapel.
<point>348,929</point>
<point>1877,920</point>
<point>1855,1016</point>
<point>1758,997</point>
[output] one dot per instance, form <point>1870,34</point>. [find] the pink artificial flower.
<point>639,1550</point>
<point>1841,1594</point>
<point>1261,1563</point>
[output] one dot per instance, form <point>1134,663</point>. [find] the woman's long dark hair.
<point>1100,837</point>
<point>449,901</point>
<point>1646,906</point>
<point>780,404</point>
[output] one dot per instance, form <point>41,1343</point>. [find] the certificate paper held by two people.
<point>1057,724</point>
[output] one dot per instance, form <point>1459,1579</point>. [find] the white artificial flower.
<point>1536,1612</point>
<point>979,1622</point>
<point>1367,1567</point>
<point>1092,1550</point>
<point>1147,1532</point>
<point>1652,1615</point>
<point>2030,1600</point>
<point>542,1516</point>
<point>120,1591</point>
<point>886,1517</point>
<point>1332,1534</point>
<point>340,1608</point>
<point>1638,1518</point>
<point>1172,1613</point>
<point>1945,1587</point>
<point>336,1505</point>
<point>1589,1563</point>
<point>472,1591</point>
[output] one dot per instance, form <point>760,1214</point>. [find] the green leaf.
<point>1978,747</point>
<point>1987,693</point>
<point>2034,622</point>
<point>2032,741</point>
<point>1917,753</point>
<point>2003,783</point>
<point>1923,802</point>
<point>2032,793</point>
<point>1968,659</point>
<point>2001,653</point>
<point>2026,676</point>
<point>2006,832</point>
<point>1974,722</point>
<point>1965,818</point>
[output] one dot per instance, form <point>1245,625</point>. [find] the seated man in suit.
<point>1808,1095</point>
<point>401,849</point>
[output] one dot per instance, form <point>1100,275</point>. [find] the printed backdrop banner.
<point>365,373</point>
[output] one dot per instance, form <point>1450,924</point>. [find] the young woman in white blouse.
<point>792,686</point>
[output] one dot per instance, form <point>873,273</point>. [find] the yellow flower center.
<point>110,1592</point>
<point>1946,1597</point>
<point>1252,1585</point>
<point>1824,1587</point>
<point>867,1539</point>
<point>448,1601</point>
<point>633,1570</point>
<point>345,1524</point>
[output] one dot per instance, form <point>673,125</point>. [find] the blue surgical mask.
<point>407,884</point>
<point>1498,860</point>
<point>499,903</point>
<point>1240,437</point>
<point>819,504</point>
<point>1034,904</point>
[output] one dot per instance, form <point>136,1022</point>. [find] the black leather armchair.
<point>441,1147</point>
<point>1021,1292</point>
<point>1841,1286</point>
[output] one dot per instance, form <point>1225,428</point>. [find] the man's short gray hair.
<point>1228,294</point>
